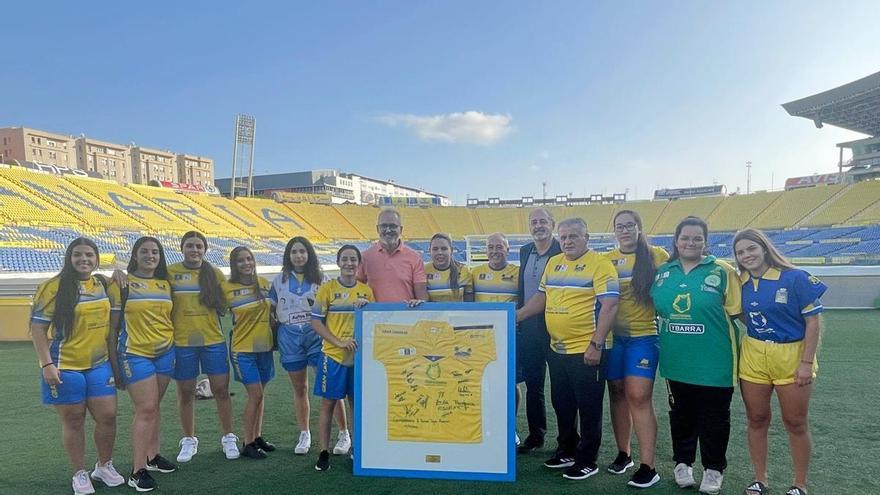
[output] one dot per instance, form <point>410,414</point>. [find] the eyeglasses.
<point>630,227</point>
<point>389,226</point>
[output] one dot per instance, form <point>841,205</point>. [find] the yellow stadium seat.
<point>281,218</point>
<point>793,206</point>
<point>238,215</point>
<point>417,223</point>
<point>676,210</point>
<point>205,220</point>
<point>20,205</point>
<point>505,220</point>
<point>851,203</point>
<point>363,218</point>
<point>457,221</point>
<point>736,211</point>
<point>326,219</point>
<point>650,211</point>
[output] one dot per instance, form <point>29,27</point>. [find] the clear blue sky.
<point>461,98</point>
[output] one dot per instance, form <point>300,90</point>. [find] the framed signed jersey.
<point>434,391</point>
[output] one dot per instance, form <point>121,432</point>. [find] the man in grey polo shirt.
<point>532,340</point>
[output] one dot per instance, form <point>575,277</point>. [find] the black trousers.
<point>700,414</point>
<point>532,346</point>
<point>577,391</point>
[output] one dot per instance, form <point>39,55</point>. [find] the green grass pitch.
<point>845,422</point>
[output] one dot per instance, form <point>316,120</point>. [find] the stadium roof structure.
<point>854,106</point>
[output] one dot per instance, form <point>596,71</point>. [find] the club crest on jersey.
<point>580,268</point>
<point>781,296</point>
<point>712,280</point>
<point>682,303</point>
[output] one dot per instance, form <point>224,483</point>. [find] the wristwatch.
<point>598,347</point>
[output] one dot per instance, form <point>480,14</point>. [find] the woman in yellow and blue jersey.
<point>299,347</point>
<point>632,362</point>
<point>782,314</point>
<point>250,343</point>
<point>333,320</point>
<point>198,304</point>
<point>70,328</point>
<point>448,280</point>
<point>141,316</point>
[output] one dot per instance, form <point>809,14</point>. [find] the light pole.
<point>748,177</point>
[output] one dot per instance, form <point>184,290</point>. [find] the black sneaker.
<point>644,477</point>
<point>323,463</point>
<point>621,463</point>
<point>559,461</point>
<point>160,464</point>
<point>251,450</point>
<point>531,444</point>
<point>142,481</point>
<point>580,471</point>
<point>263,444</point>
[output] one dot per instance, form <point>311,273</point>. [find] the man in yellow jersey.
<point>496,280</point>
<point>578,295</point>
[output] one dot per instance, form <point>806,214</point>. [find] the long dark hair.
<point>235,275</point>
<point>210,294</point>
<point>643,269</point>
<point>162,268</point>
<point>691,220</point>
<point>68,295</point>
<point>312,271</point>
<point>454,266</point>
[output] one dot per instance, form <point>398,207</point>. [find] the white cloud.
<point>534,168</point>
<point>457,127</point>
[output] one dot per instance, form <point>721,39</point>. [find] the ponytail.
<point>643,269</point>
<point>210,293</point>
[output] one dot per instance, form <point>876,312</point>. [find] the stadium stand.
<point>145,212</point>
<point>19,205</point>
<point>507,220</point>
<point>239,215</point>
<point>362,218</point>
<point>419,224</point>
<point>680,208</point>
<point>180,205</point>
<point>794,206</point>
<point>650,211</point>
<point>734,212</point>
<point>326,219</point>
<point>280,217</point>
<point>857,199</point>
<point>598,217</point>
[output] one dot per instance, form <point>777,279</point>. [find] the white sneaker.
<point>107,474</point>
<point>711,482</point>
<point>684,475</point>
<point>189,446</point>
<point>305,442</point>
<point>517,438</point>
<point>82,485</point>
<point>343,443</point>
<point>230,446</point>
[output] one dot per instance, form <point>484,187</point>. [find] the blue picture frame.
<point>509,475</point>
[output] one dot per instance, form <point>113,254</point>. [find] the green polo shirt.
<point>698,340</point>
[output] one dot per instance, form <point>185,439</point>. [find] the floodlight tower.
<point>243,155</point>
<point>748,177</point>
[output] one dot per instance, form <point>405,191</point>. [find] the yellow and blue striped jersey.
<point>145,326</point>
<point>334,304</point>
<point>495,285</point>
<point>435,379</point>
<point>574,290</point>
<point>438,284</point>
<point>87,345</point>
<point>194,324</point>
<point>251,331</point>
<point>633,319</point>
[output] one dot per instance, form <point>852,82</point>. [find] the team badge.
<point>682,303</point>
<point>782,296</point>
<point>712,281</point>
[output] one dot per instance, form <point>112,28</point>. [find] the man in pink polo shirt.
<point>395,272</point>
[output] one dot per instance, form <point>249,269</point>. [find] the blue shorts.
<point>212,358</point>
<point>253,367</point>
<point>299,346</point>
<point>633,356</point>
<point>333,380</point>
<point>78,385</point>
<point>135,368</point>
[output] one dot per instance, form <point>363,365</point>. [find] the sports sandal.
<point>756,488</point>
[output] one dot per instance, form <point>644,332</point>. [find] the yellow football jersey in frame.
<point>435,379</point>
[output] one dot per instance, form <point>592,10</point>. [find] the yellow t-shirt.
<point>495,285</point>
<point>435,379</point>
<point>633,319</point>
<point>87,345</point>
<point>251,331</point>
<point>438,284</point>
<point>574,290</point>
<point>145,327</point>
<point>194,324</point>
<point>334,304</point>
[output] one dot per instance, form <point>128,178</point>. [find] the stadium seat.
<point>855,199</point>
<point>794,206</point>
<point>676,210</point>
<point>327,220</point>
<point>735,211</point>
